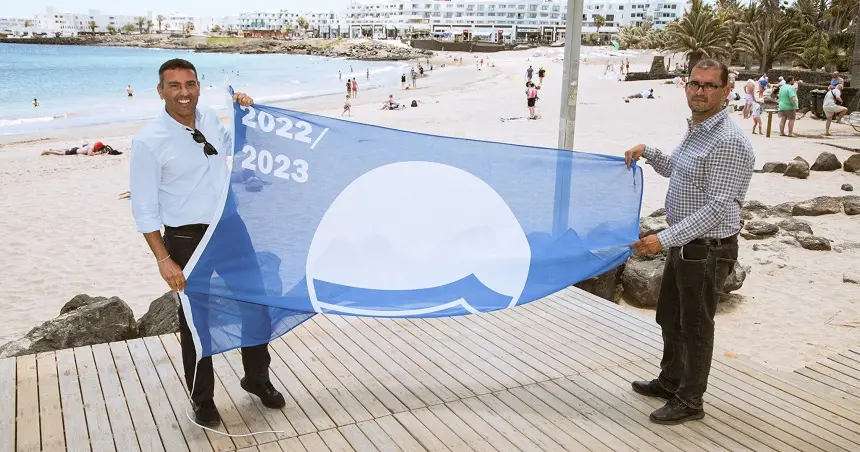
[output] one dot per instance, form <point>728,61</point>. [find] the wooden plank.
<point>269,447</point>
<point>335,411</point>
<point>494,368</point>
<point>501,425</point>
<point>443,372</point>
<point>473,440</point>
<point>496,439</point>
<point>310,409</point>
<point>249,449</point>
<point>7,404</point>
<point>817,376</point>
<point>313,442</point>
<point>570,407</point>
<point>125,436</point>
<point>27,419</point>
<point>438,428</point>
<point>231,422</point>
<point>357,439</point>
<point>95,404</point>
<point>400,435</point>
<point>425,390</point>
<point>162,413</point>
<point>335,441</point>
<point>478,369</point>
<point>838,371</point>
<point>276,419</point>
<point>421,433</point>
<point>195,437</point>
<point>291,445</point>
<point>244,401</point>
<point>138,407</point>
<point>350,393</point>
<point>348,370</point>
<point>74,419</point>
<point>377,436</point>
<point>50,413</point>
<point>356,357</point>
<point>444,361</point>
<point>519,422</point>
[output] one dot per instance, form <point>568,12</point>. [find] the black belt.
<point>715,242</point>
<point>199,228</point>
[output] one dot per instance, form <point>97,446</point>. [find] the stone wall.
<point>450,46</point>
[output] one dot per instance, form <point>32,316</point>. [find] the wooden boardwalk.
<point>551,375</point>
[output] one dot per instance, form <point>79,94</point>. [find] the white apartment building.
<point>501,20</point>
<point>327,24</point>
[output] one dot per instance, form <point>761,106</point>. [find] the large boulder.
<point>642,276</point>
<point>757,230</point>
<point>774,167</point>
<point>78,301</point>
<point>798,169</point>
<point>95,321</point>
<point>782,210</point>
<point>847,187</point>
<point>852,164</point>
<point>651,225</point>
<point>793,225</point>
<point>814,243</point>
<point>161,318</point>
<point>606,285</point>
<point>826,161</point>
<point>754,209</point>
<point>822,205</point>
<point>852,207</point>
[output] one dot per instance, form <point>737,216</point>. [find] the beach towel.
<point>370,221</point>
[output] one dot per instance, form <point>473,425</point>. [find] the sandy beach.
<point>65,232</point>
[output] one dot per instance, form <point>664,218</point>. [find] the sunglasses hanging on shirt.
<point>208,149</point>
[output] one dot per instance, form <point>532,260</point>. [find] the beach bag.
<point>414,103</point>
<point>111,151</point>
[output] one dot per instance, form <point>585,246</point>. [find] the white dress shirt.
<point>173,182</point>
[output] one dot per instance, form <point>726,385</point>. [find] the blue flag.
<point>328,216</point>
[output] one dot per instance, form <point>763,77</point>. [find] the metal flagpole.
<point>570,77</point>
<point>567,116</point>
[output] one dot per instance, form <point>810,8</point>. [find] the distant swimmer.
<point>129,91</point>
<point>35,102</point>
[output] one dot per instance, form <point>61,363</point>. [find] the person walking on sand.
<point>709,174</point>
<point>756,117</point>
<point>749,97</point>
<point>348,87</point>
<point>178,168</point>
<point>354,88</point>
<point>347,108</point>
<point>787,107</point>
<point>541,74</point>
<point>531,98</point>
<point>833,107</point>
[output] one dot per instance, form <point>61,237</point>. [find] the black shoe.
<point>206,413</point>
<point>267,393</point>
<point>676,412</point>
<point>652,388</point>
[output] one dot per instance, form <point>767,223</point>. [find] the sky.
<point>11,8</point>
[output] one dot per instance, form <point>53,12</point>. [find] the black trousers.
<point>693,280</point>
<point>181,243</point>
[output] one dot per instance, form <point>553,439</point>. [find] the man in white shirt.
<point>178,173</point>
<point>832,107</point>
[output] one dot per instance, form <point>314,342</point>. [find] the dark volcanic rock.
<point>826,161</point>
<point>651,225</point>
<point>795,225</point>
<point>161,318</point>
<point>757,230</point>
<point>822,205</point>
<point>814,243</point>
<point>606,285</point>
<point>847,187</point>
<point>774,167</point>
<point>798,169</point>
<point>852,164</point>
<point>96,321</point>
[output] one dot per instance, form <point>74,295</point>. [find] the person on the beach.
<point>354,88</point>
<point>749,97</point>
<point>414,77</point>
<point>529,73</point>
<point>762,84</point>
<point>129,91</point>
<point>347,107</point>
<point>390,104</point>
<point>348,87</point>
<point>787,107</point>
<point>368,74</point>
<point>627,63</point>
<point>531,98</point>
<point>709,173</point>
<point>35,102</point>
<point>833,107</point>
<point>178,168</point>
<point>97,148</point>
<point>339,76</point>
<point>836,80</point>
<point>647,94</point>
<point>541,74</point>
<point>755,111</point>
<point>403,80</point>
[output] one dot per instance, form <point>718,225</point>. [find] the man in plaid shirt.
<point>709,173</point>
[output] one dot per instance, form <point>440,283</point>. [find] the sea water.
<point>86,85</point>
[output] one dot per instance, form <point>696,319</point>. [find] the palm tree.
<point>599,21</point>
<point>699,34</point>
<point>302,23</point>
<point>92,26</point>
<point>159,19</point>
<point>149,26</point>
<point>767,44</point>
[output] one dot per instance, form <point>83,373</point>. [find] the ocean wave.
<point>19,121</point>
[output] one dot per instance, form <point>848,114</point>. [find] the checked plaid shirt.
<point>709,173</point>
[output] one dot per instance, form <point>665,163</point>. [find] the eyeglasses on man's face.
<point>709,87</point>
<point>208,149</point>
